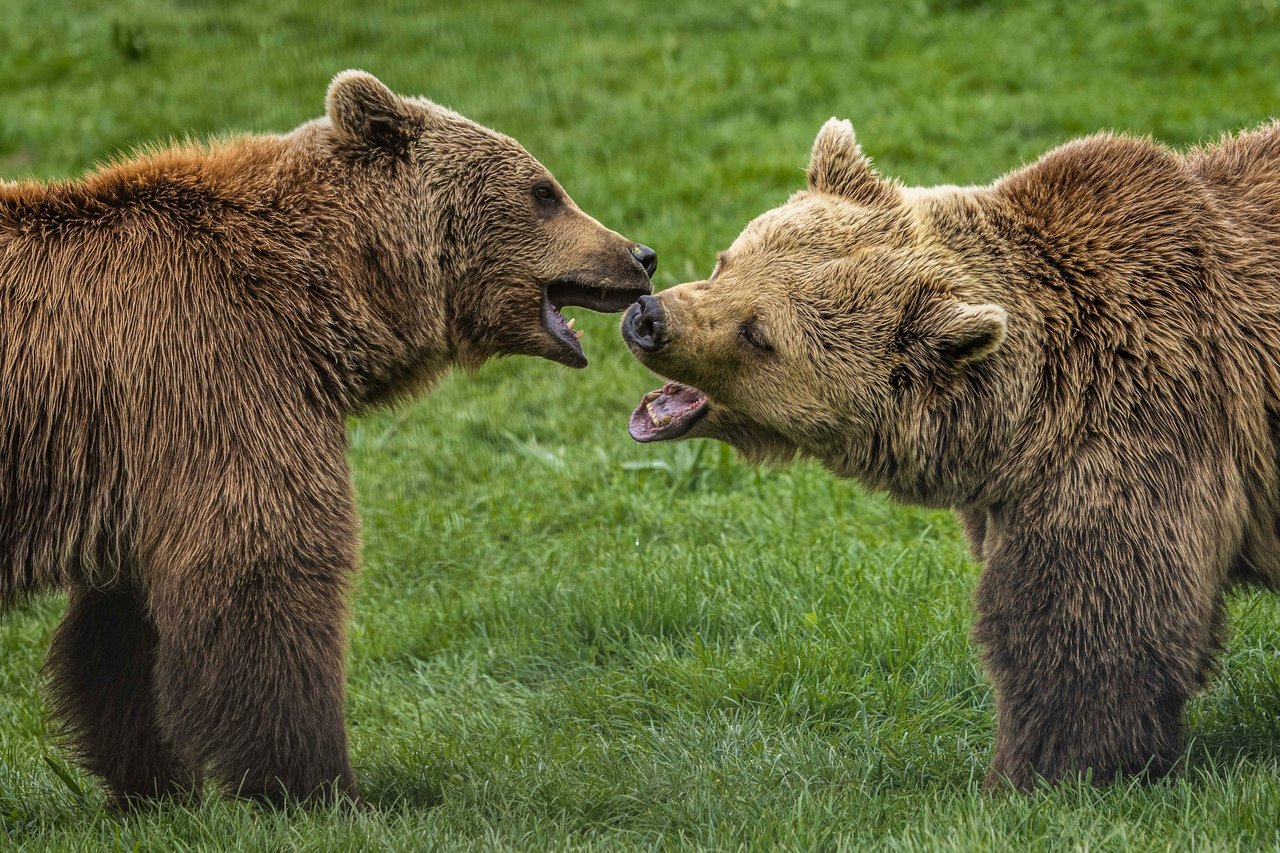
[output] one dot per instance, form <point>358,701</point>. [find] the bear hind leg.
<point>99,670</point>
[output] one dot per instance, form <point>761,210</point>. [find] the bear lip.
<point>567,291</point>
<point>668,413</point>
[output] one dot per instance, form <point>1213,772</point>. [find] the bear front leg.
<point>100,676</point>
<point>1094,637</point>
<point>249,597</point>
<point>251,677</point>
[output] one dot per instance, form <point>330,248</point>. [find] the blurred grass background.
<point>565,640</point>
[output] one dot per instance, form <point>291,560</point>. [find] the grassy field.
<point>563,639</point>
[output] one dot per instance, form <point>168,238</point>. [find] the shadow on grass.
<point>1229,750</point>
<point>395,788</point>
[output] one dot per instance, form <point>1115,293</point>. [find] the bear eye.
<point>543,191</point>
<point>751,333</point>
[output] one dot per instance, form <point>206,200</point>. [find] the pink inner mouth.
<point>667,413</point>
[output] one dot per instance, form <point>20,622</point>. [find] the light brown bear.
<point>1082,359</point>
<point>182,337</point>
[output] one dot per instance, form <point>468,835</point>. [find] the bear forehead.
<point>442,129</point>
<point>818,223</point>
<point>824,262</point>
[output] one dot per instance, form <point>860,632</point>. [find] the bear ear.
<point>366,111</point>
<point>838,166</point>
<point>965,333</point>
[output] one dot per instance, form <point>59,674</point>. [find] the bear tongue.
<point>667,413</point>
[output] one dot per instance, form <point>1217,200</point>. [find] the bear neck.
<point>953,442</point>
<point>395,279</point>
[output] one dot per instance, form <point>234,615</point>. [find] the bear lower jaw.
<point>668,413</point>
<point>566,348</point>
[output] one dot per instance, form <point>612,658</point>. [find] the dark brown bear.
<point>182,337</point>
<point>1082,359</point>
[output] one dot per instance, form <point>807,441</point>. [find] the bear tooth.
<point>656,419</point>
<point>572,320</point>
<point>577,333</point>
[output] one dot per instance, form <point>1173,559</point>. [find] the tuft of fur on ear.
<point>838,166</point>
<point>365,111</point>
<point>968,333</point>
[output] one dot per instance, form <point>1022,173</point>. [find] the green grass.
<point>562,639</point>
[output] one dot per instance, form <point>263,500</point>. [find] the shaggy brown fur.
<point>1081,359</point>
<point>182,337</point>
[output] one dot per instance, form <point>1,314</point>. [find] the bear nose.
<point>644,326</point>
<point>647,257</point>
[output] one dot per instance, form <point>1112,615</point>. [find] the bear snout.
<point>644,326</point>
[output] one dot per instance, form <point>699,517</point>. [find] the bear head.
<point>831,328</point>
<point>472,229</point>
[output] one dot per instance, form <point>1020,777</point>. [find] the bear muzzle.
<point>585,289</point>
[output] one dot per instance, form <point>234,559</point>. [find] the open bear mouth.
<point>668,413</point>
<point>563,293</point>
